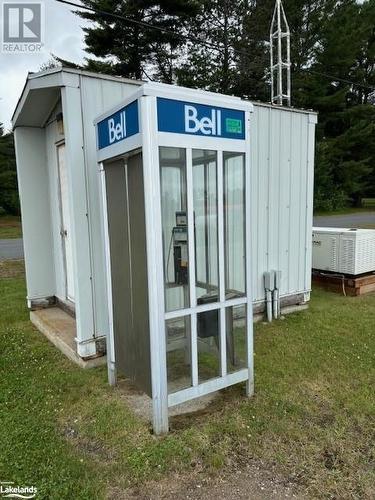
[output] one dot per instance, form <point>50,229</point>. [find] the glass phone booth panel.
<point>204,315</point>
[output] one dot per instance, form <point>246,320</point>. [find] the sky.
<point>63,37</point>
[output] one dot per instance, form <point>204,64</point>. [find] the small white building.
<point>61,204</point>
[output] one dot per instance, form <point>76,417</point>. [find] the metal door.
<point>65,227</point>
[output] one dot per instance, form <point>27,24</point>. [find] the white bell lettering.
<point>117,131</point>
<point>206,125</point>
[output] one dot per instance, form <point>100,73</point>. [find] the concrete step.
<point>60,329</point>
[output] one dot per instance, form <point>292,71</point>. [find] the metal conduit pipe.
<point>269,305</point>
<point>269,283</point>
<point>276,295</point>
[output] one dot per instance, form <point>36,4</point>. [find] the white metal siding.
<point>32,171</point>
<point>281,174</point>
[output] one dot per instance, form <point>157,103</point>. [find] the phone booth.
<point>174,167</point>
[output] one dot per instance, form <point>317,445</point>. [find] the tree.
<point>9,202</point>
<point>305,18</point>
<point>327,195</point>
<point>327,38</point>
<point>58,62</point>
<point>346,119</point>
<point>128,48</point>
<point>210,60</point>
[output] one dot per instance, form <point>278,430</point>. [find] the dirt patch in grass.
<point>255,480</point>
<point>12,268</point>
<point>216,406</point>
<point>94,449</point>
<point>141,405</point>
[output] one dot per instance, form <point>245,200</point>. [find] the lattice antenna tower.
<point>280,57</point>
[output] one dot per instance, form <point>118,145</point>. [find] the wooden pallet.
<point>350,285</point>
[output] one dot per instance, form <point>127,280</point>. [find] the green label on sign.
<point>233,126</point>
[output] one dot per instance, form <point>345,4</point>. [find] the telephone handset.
<point>180,249</point>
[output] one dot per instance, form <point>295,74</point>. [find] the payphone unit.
<point>180,249</point>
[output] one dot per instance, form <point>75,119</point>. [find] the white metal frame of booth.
<point>149,139</point>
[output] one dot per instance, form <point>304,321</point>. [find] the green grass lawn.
<point>10,227</point>
<point>65,431</point>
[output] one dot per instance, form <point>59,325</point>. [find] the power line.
<point>338,79</point>
<point>145,24</point>
<point>146,75</point>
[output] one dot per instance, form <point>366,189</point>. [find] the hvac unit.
<point>344,251</point>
